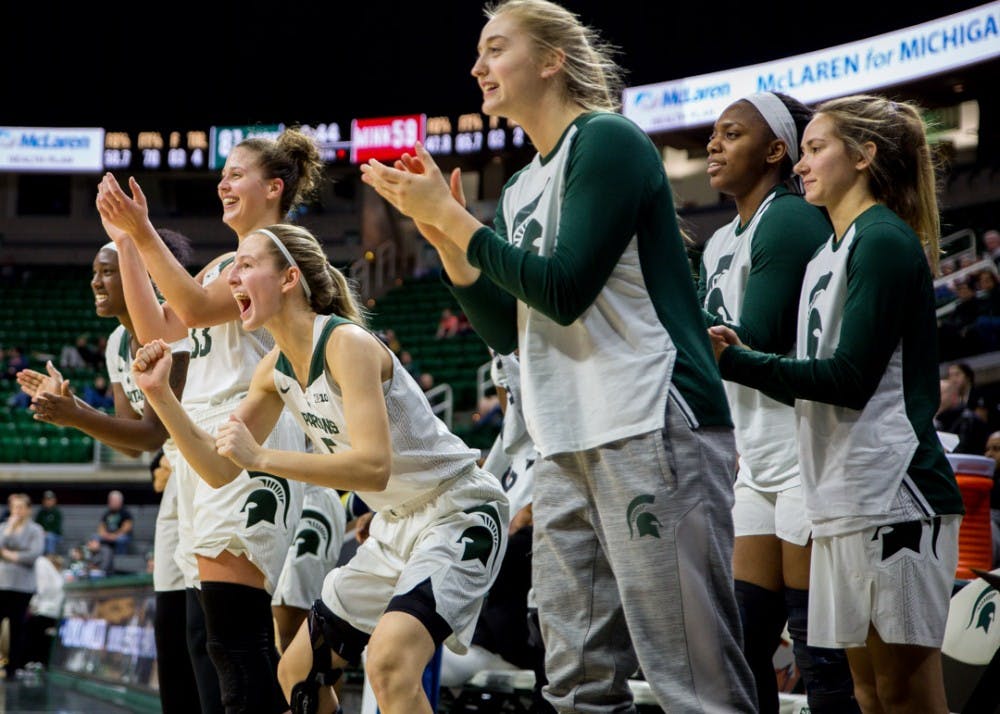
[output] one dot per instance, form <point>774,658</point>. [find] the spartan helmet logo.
<point>984,610</point>
<point>641,521</point>
<point>527,228</point>
<point>314,530</point>
<point>715,301</point>
<point>482,541</point>
<point>815,324</point>
<point>263,504</point>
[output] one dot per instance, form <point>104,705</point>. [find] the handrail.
<point>483,380</point>
<point>446,405</point>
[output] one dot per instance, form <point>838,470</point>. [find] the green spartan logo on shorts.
<point>481,541</point>
<point>314,529</point>
<point>263,503</point>
<point>642,522</point>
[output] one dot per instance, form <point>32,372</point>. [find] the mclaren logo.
<point>641,521</point>
<point>314,534</point>
<point>268,500</point>
<point>482,541</point>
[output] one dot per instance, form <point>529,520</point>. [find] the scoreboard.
<point>155,150</point>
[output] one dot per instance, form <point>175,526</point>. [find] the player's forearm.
<point>350,470</point>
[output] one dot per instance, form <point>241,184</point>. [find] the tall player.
<point>234,538</point>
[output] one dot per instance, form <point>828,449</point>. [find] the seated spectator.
<point>115,526</point>
<point>987,325</point>
<point>991,242</point>
<point>16,361</point>
<point>99,394</point>
<point>392,341</point>
<point>98,558</point>
<point>70,357</point>
<point>993,451</point>
<point>77,566</point>
<point>448,325</point>
<point>409,364</point>
<point>955,416</point>
<point>49,517</point>
<point>956,331</point>
<point>426,381</point>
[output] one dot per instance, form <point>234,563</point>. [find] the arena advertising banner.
<point>106,633</point>
<point>931,48</point>
<point>51,150</point>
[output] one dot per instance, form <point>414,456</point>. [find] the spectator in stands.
<point>956,331</point>
<point>392,341</point>
<point>426,381</point>
<point>116,524</point>
<point>21,543</point>
<point>993,451</point>
<point>991,243</point>
<point>956,416</point>
<point>16,361</point>
<point>987,325</point>
<point>49,517</point>
<point>947,266</point>
<point>76,564</point>
<point>963,377</point>
<point>98,394</point>
<point>98,558</point>
<point>448,325</point>
<point>71,357</point>
<point>44,610</point>
<point>409,364</point>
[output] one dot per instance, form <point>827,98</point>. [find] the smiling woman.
<point>231,559</point>
<point>439,531</point>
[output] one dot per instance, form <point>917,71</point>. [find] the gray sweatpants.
<point>632,565</point>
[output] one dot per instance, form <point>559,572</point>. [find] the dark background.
<point>182,65</point>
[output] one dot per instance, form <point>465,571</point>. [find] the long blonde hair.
<point>593,78</point>
<point>902,175</point>
<point>331,292</point>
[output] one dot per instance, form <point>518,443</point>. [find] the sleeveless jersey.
<point>513,455</point>
<point>223,357</point>
<point>424,452</point>
<point>118,358</point>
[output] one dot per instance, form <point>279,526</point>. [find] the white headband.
<point>780,120</point>
<point>110,245</point>
<point>289,258</point>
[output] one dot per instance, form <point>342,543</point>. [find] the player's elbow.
<point>377,470</point>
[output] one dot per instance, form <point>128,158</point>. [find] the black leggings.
<point>204,671</point>
<point>14,606</point>
<point>178,686</point>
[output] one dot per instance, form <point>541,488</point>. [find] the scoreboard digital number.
<point>156,150</point>
<point>472,134</point>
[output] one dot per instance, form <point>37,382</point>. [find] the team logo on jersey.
<point>313,531</point>
<point>815,325</point>
<point>715,301</point>
<point>900,537</point>
<point>264,503</point>
<point>984,610</point>
<point>482,541</point>
<point>641,521</point>
<point>527,230</point>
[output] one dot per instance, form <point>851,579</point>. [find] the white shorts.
<point>315,548</point>
<point>896,577</point>
<point>457,540</point>
<point>254,515</point>
<point>778,513</point>
<point>167,575</point>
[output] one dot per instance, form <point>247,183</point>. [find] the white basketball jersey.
<point>223,357</point>
<point>424,451</point>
